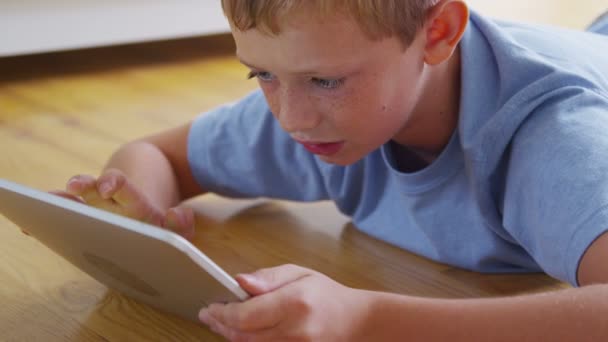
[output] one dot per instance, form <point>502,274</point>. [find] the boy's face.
<point>333,89</point>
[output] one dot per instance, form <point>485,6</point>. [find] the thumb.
<point>181,221</point>
<point>270,279</point>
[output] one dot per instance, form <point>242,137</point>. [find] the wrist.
<point>361,326</point>
<point>395,317</point>
<point>379,315</point>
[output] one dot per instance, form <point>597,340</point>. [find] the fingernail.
<point>104,189</point>
<point>203,316</point>
<point>71,182</point>
<point>179,217</point>
<point>171,219</point>
<point>249,278</point>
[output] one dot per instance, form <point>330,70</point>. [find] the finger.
<point>83,189</point>
<point>273,334</point>
<point>181,221</point>
<point>85,186</point>
<point>113,185</point>
<point>255,314</point>
<point>220,329</point>
<point>270,279</point>
<point>265,335</point>
<point>80,184</point>
<point>67,195</point>
<point>110,182</point>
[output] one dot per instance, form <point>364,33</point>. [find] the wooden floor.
<point>79,106</point>
<point>64,113</point>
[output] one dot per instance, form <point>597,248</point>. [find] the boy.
<point>472,142</point>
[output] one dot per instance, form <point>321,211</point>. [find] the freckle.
<point>384,108</point>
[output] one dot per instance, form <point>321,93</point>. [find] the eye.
<point>261,75</point>
<point>328,83</point>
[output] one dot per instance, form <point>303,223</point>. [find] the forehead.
<point>310,43</point>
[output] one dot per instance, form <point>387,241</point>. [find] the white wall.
<point>28,26</point>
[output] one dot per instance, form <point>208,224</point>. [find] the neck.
<point>435,117</point>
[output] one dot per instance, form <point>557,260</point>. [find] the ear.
<point>444,27</point>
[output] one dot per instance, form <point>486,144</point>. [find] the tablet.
<point>144,262</point>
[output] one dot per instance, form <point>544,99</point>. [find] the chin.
<point>340,160</point>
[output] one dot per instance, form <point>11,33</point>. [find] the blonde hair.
<point>377,18</point>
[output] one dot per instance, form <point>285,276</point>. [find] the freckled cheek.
<point>274,105</point>
<point>341,113</point>
<point>309,103</point>
<point>272,99</point>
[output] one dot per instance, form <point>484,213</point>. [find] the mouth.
<point>322,148</point>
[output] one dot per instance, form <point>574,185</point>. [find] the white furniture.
<point>31,26</point>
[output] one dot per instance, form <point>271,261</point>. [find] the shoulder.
<point>510,88</point>
<point>555,185</point>
<point>253,105</point>
<point>245,119</point>
<point>523,50</point>
<point>573,115</point>
<point>561,149</point>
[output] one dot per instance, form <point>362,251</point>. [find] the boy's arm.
<point>158,166</point>
<point>593,268</point>
<point>145,180</point>
<point>291,302</point>
<point>568,315</point>
<point>579,314</point>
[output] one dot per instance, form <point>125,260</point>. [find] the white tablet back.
<point>144,262</point>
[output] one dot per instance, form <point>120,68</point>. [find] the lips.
<point>324,149</point>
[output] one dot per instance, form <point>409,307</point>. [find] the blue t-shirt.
<point>522,186</point>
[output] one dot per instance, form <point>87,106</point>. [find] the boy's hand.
<point>113,192</point>
<point>290,303</point>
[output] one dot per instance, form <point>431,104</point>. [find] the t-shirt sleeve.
<point>556,197</point>
<point>240,150</point>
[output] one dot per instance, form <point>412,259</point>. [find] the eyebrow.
<point>246,63</point>
<point>302,72</point>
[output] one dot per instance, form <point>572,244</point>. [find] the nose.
<point>296,112</point>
